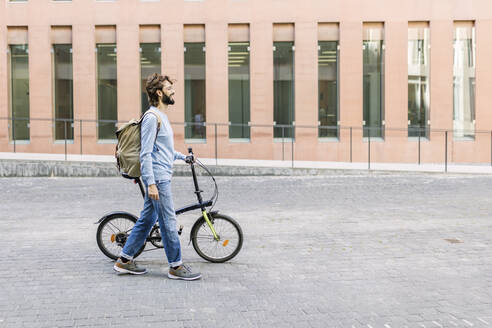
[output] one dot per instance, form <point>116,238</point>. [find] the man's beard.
<point>167,100</point>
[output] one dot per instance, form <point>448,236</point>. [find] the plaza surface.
<point>343,250</point>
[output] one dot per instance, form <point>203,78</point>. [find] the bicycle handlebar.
<point>190,151</point>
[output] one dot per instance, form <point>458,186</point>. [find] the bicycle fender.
<point>113,213</point>
<point>201,217</point>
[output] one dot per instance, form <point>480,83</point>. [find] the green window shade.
<point>328,88</point>
<point>107,105</point>
<point>239,90</point>
<point>150,62</point>
<point>19,91</point>
<point>283,88</point>
<point>63,97</point>
<point>195,110</point>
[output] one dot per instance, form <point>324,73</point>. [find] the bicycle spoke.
<point>227,233</point>
<point>113,227</point>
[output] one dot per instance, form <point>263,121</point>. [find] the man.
<point>157,155</point>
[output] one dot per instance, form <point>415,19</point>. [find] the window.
<point>18,82</point>
<point>150,58</point>
<point>239,85</point>
<point>107,100</point>
<point>418,80</point>
<point>63,91</point>
<point>283,88</point>
<point>150,62</point>
<point>195,90</point>
<point>194,67</point>
<point>327,88</point>
<point>373,79</point>
<point>107,105</point>
<point>328,80</point>
<point>464,80</point>
<point>283,80</point>
<point>239,92</point>
<point>19,91</point>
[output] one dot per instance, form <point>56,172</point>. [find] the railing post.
<point>369,149</point>
<point>446,151</point>
<point>283,135</point>
<point>215,126</point>
<point>80,137</point>
<point>292,143</point>
<point>65,128</point>
<point>350,144</point>
<point>13,130</point>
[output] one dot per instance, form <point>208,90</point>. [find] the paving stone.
<point>340,250</point>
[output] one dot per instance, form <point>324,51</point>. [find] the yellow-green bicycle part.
<point>210,225</point>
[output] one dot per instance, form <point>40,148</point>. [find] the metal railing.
<point>285,134</point>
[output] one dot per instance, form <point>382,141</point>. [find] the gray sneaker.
<point>128,267</point>
<point>183,272</point>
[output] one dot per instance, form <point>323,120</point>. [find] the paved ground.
<point>354,250</point>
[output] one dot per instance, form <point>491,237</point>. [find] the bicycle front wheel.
<point>228,244</point>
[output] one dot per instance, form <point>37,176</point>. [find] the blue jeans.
<point>162,210</point>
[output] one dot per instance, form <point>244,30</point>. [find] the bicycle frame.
<point>200,205</point>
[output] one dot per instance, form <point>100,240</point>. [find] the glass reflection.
<point>464,82</point>
<point>107,102</point>
<point>239,93</point>
<point>150,62</point>
<point>283,88</point>
<point>19,91</point>
<point>328,88</point>
<point>195,110</point>
<point>63,100</point>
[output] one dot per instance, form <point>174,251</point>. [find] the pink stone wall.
<point>128,15</point>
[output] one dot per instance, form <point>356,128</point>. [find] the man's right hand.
<point>153,192</point>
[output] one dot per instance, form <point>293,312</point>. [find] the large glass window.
<point>464,80</point>
<point>195,110</point>
<point>418,81</point>
<point>150,62</point>
<point>283,87</point>
<point>239,99</point>
<point>373,101</point>
<point>328,88</point>
<point>19,91</point>
<point>63,93</point>
<point>107,105</point>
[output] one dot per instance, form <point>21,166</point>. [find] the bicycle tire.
<point>99,235</point>
<point>214,217</point>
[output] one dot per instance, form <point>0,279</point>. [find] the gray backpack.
<point>128,147</point>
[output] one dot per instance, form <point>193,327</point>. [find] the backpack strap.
<point>159,120</point>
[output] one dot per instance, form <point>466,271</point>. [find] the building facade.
<point>313,80</point>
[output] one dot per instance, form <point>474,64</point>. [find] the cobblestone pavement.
<point>346,250</point>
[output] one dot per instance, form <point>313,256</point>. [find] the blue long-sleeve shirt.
<point>156,159</point>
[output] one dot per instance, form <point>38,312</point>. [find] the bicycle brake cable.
<point>215,196</point>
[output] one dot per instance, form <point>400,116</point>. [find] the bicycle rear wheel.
<point>113,232</point>
<point>217,251</point>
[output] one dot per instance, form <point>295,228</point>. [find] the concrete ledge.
<point>46,165</point>
<point>37,168</point>
<point>46,168</point>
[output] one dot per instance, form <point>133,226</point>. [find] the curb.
<point>47,168</point>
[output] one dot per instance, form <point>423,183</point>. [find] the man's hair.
<point>155,82</point>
